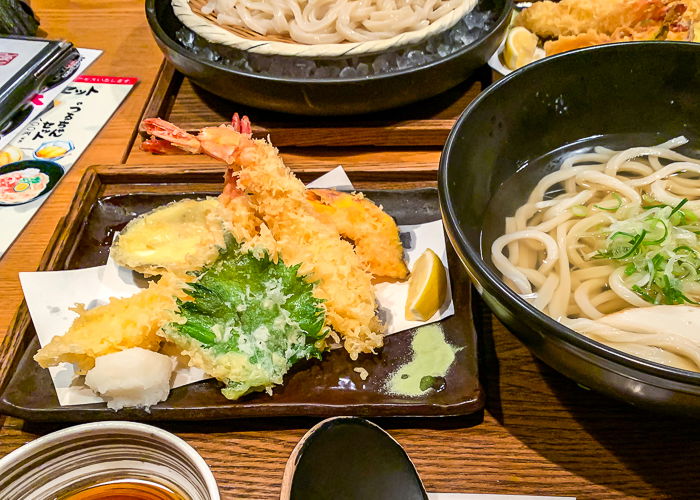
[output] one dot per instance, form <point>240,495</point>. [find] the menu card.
<point>68,125</point>
<point>16,51</point>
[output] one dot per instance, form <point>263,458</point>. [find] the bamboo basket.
<point>189,12</point>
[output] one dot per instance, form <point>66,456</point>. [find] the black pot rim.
<point>163,37</point>
<point>494,284</point>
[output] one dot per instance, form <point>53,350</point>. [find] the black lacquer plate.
<point>316,388</point>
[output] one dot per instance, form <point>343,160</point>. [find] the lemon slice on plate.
<point>520,48</point>
<point>427,287</point>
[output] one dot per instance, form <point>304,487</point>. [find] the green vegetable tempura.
<point>249,321</point>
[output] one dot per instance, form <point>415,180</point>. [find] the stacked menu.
<point>56,125</point>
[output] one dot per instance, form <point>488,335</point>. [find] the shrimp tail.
<point>171,134</point>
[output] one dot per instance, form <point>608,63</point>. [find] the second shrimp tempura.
<point>270,209</point>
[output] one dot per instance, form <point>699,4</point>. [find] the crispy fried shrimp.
<point>344,284</point>
<point>573,17</point>
<point>582,23</point>
<point>373,231</point>
<point>286,221</point>
<point>244,224</point>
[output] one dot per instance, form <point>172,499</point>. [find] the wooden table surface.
<point>541,434</point>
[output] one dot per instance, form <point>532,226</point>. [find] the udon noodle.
<point>609,245</point>
<point>330,21</point>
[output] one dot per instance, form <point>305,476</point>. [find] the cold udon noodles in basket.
<point>279,56</point>
<point>318,27</point>
<point>609,245</point>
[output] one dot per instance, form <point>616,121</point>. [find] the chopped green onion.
<point>658,250</point>
<point>630,247</point>
<point>579,210</point>
<point>638,290</point>
<point>685,248</point>
<point>612,209</point>
<point>660,239</point>
<point>678,207</point>
<point>615,235</point>
<point>635,245</point>
<point>690,216</point>
<point>677,219</point>
<point>651,267</point>
<point>687,299</point>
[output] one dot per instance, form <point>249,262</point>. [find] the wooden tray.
<point>109,196</point>
<point>426,123</point>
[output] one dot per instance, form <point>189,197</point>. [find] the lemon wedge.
<point>520,47</point>
<point>427,287</point>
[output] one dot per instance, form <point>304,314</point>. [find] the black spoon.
<point>349,458</point>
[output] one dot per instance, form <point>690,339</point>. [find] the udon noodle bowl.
<point>609,245</point>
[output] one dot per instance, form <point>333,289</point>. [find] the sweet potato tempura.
<point>372,231</point>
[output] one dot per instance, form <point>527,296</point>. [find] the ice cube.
<point>415,58</point>
<point>348,72</point>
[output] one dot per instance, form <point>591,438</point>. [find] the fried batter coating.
<point>286,223</point>
<point>121,324</point>
<point>373,231</point>
<point>572,17</point>
<point>301,238</point>
<point>178,237</point>
<point>582,23</point>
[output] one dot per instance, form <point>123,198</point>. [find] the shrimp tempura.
<point>270,211</point>
<point>344,282</point>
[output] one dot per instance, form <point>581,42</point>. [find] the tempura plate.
<point>109,197</point>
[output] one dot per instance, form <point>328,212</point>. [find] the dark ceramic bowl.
<point>620,95</point>
<point>330,96</point>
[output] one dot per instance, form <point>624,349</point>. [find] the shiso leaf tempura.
<point>610,233</point>
<point>248,321</point>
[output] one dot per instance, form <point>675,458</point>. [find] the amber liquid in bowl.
<point>127,489</point>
